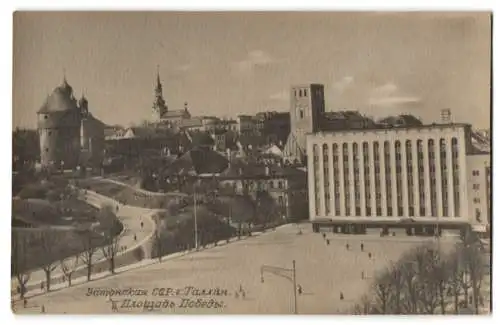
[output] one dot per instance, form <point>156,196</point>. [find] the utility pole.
<point>288,274</point>
<point>195,220</point>
<point>294,288</point>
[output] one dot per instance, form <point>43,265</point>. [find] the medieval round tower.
<point>59,121</point>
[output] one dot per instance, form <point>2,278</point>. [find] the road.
<point>131,218</point>
<point>323,271</point>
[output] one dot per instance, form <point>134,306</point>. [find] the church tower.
<point>159,104</point>
<point>307,104</point>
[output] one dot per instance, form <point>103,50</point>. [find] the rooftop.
<point>381,127</point>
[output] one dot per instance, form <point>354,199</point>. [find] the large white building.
<point>424,175</point>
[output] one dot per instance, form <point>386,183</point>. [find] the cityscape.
<point>296,205</point>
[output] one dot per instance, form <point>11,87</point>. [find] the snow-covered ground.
<point>323,271</point>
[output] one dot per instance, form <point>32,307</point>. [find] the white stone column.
<point>404,178</point>
<point>439,192</point>
<point>416,192</point>
<point>341,180</point>
<point>427,179</point>
<point>321,182</point>
<point>311,169</point>
<point>373,193</point>
<point>463,214</point>
<point>449,166</point>
<point>394,187</point>
<point>351,179</point>
<point>362,201</point>
<point>332,184</point>
<point>383,188</point>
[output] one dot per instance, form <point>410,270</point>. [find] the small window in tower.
<point>300,93</point>
<point>50,133</point>
<point>301,113</point>
<point>46,149</point>
<point>305,92</point>
<point>45,116</point>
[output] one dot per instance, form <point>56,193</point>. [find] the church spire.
<point>159,105</point>
<point>158,88</point>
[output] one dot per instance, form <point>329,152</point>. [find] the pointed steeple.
<point>159,105</point>
<point>158,87</point>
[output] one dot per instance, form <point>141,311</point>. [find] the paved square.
<point>323,271</point>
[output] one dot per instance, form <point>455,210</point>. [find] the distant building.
<point>286,185</point>
<point>275,127</point>
<point>246,125</point>
<point>307,104</point>
<point>69,134</point>
<point>160,108</point>
<point>347,120</point>
<point>428,174</point>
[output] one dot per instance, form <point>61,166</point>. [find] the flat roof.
<point>389,128</point>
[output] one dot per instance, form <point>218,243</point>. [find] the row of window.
<point>300,93</point>
<point>414,181</point>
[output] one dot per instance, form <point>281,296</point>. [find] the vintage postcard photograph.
<point>251,163</point>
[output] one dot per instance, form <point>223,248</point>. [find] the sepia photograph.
<point>251,163</point>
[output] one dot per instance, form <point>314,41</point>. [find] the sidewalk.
<point>137,265</point>
<point>131,218</point>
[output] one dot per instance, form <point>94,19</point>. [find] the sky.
<point>231,63</point>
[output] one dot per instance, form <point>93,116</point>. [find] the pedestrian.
<point>114,306</point>
<point>236,294</point>
<point>324,236</point>
<point>241,288</point>
<point>41,286</point>
<point>362,247</point>
<point>299,289</point>
<point>328,242</point>
<point>347,246</point>
<point>362,275</point>
<point>43,309</point>
<point>25,303</point>
<point>341,296</point>
<point>135,237</point>
<point>243,294</point>
<point>369,255</point>
<point>142,224</point>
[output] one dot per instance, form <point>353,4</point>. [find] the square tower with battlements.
<point>307,105</point>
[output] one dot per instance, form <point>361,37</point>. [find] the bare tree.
<point>410,289</point>
<point>19,263</point>
<point>68,266</point>
<point>110,225</point>
<point>88,250</point>
<point>383,287</point>
<point>158,244</point>
<point>49,244</point>
<point>472,258</point>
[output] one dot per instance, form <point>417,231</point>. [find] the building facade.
<point>161,112</point>
<point>307,104</point>
<point>286,186</point>
<point>69,134</point>
<point>479,189</point>
<point>392,175</point>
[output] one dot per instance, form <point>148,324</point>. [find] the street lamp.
<point>195,218</point>
<point>288,274</point>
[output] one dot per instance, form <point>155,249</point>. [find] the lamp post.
<point>288,274</point>
<point>195,218</point>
